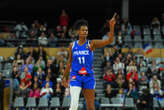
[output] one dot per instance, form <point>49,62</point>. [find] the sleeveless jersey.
<point>82,59</point>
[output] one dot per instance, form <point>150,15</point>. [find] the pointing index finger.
<point>114,16</point>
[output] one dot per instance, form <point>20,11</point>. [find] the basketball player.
<point>80,63</point>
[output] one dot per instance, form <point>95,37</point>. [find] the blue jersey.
<point>82,59</point>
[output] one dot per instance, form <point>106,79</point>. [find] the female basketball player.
<point>80,62</point>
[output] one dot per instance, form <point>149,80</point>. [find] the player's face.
<point>83,31</point>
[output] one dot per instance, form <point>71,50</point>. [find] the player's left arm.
<point>101,43</point>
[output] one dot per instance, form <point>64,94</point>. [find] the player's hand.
<point>65,82</point>
<point>112,21</point>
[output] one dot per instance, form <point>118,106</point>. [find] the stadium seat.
<point>129,103</point>
<point>66,102</point>
<point>19,102</point>
<point>116,100</point>
<point>137,29</point>
<point>31,102</point>
<point>105,100</point>
<point>146,30</point>
<point>7,73</point>
<point>43,102</point>
<point>138,45</point>
<point>55,102</point>
<point>156,31</point>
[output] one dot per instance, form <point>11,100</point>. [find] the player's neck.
<point>82,41</point>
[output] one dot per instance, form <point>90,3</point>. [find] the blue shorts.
<point>83,81</point>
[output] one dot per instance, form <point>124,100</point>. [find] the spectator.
<point>119,38</point>
<point>126,27</point>
<point>154,80</point>
<point>28,65</point>
<point>132,91</point>
<point>20,51</point>
<point>2,86</point>
<point>118,65</point>
<point>42,29</point>
<point>40,74</point>
<point>23,89</point>
<point>35,92</point>
<point>64,18</point>
<point>40,63</point>
<point>120,82</point>
<point>109,77</point>
<point>15,76</point>
<point>32,52</point>
<point>143,80</point>
<point>132,75</point>
<point>33,31</point>
<point>52,40</point>
<point>42,40</point>
<point>63,52</point>
<point>156,90</point>
<point>41,52</point>
<point>109,92</point>
<point>58,90</point>
<point>155,23</point>
<point>18,60</point>
<point>145,101</point>
<point>131,66</point>
<point>47,81</point>
<point>72,34</point>
<point>36,81</point>
<point>21,30</point>
<point>46,91</point>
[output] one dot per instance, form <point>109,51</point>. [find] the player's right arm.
<point>68,67</point>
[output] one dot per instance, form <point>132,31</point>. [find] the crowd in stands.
<point>133,75</point>
<point>36,74</point>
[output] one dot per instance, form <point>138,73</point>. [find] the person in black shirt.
<point>145,101</point>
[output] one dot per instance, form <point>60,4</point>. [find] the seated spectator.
<point>153,80</point>
<point>41,52</point>
<point>47,81</point>
<point>126,27</point>
<point>143,80</point>
<point>155,23</point>
<point>20,51</point>
<point>119,38</point>
<point>145,101</point>
<point>18,60</point>
<point>46,91</point>
<point>40,74</point>
<point>23,90</point>
<point>58,90</point>
<point>156,90</point>
<point>109,92</point>
<point>35,91</point>
<point>118,65</point>
<point>109,77</point>
<point>67,92</point>
<point>40,63</point>
<point>131,66</point>
<point>72,34</point>
<point>15,76</point>
<point>132,91</point>
<point>29,65</point>
<point>32,52</point>
<point>37,81</point>
<point>42,40</point>
<point>52,40</point>
<point>120,82</point>
<point>62,52</point>
<point>121,94</point>
<point>21,30</point>
<point>132,75</point>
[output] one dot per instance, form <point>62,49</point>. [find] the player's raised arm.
<point>102,43</point>
<point>68,66</point>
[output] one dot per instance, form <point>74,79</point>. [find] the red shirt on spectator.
<point>64,20</point>
<point>133,76</point>
<point>109,77</point>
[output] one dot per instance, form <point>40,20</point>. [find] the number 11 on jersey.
<point>81,60</point>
